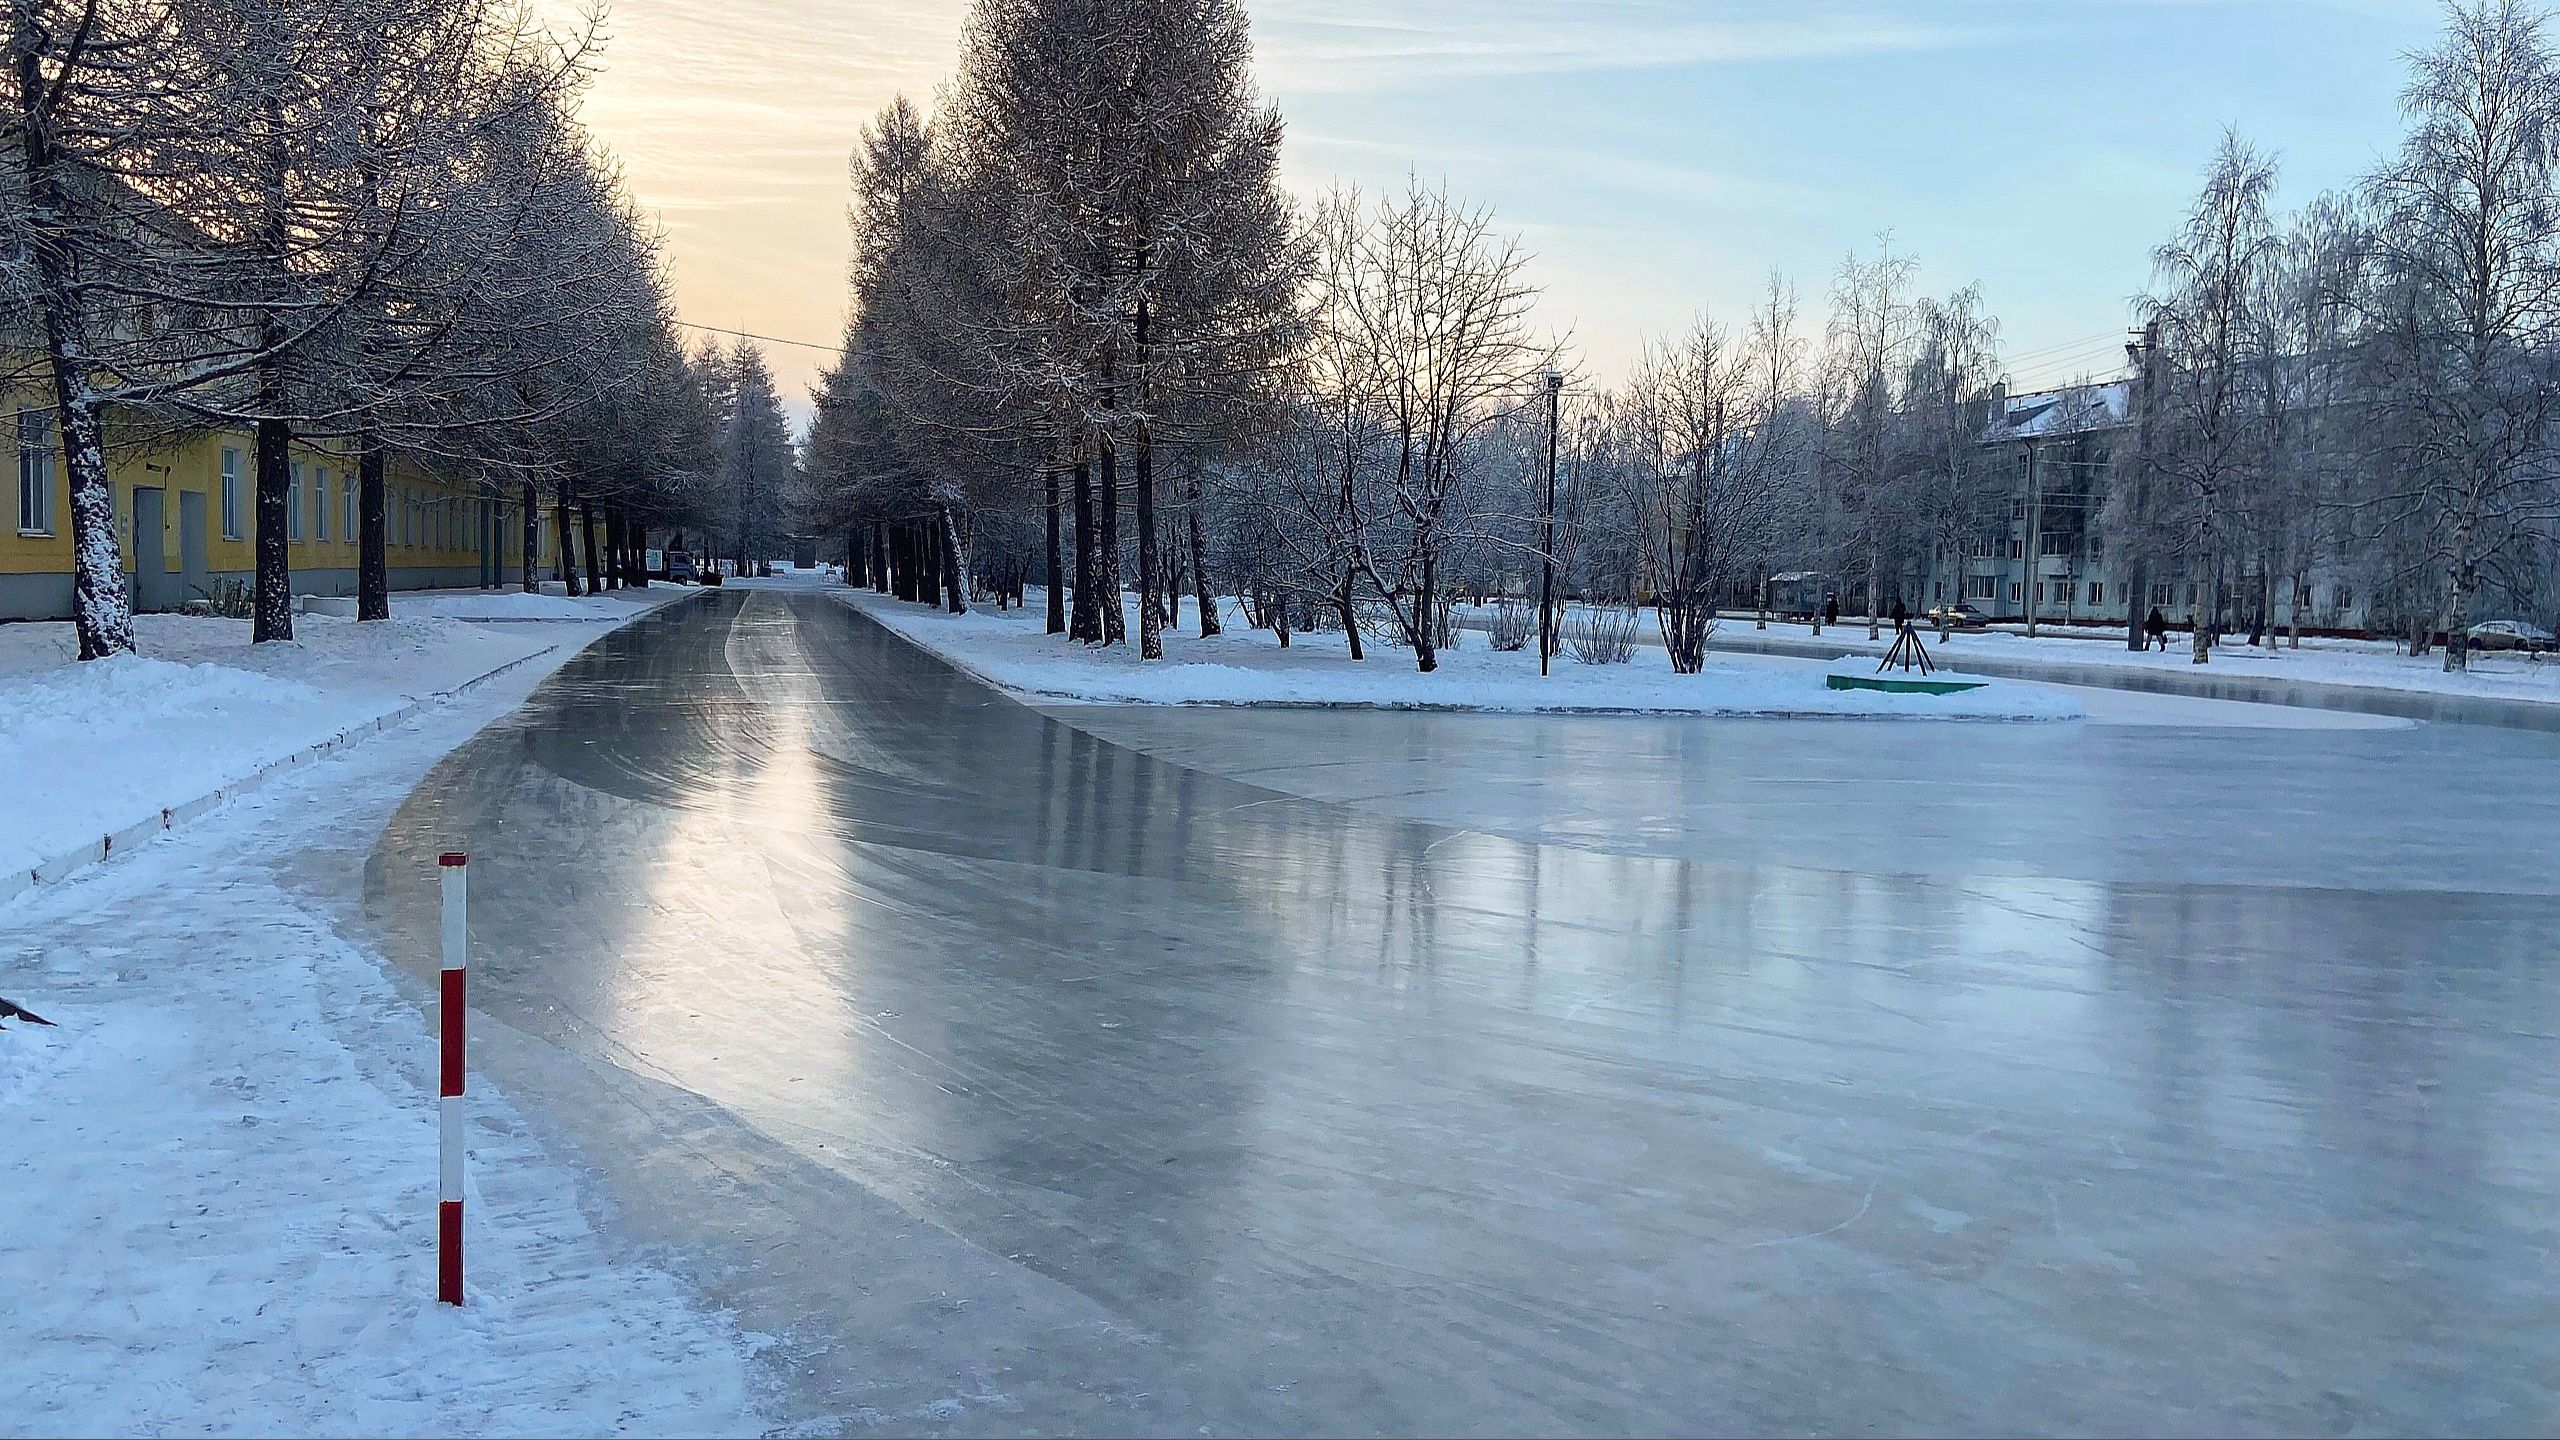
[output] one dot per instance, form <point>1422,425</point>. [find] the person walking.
<point>1901,615</point>
<point>2157,628</point>
<point>1830,609</point>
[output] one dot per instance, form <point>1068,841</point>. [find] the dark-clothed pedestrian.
<point>1901,616</point>
<point>1830,609</point>
<point>2157,628</point>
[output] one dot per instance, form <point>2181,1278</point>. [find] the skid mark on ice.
<point>1863,1203</point>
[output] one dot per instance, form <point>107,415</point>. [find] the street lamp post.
<point>1547,547</point>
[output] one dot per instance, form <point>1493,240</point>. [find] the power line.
<point>768,339</point>
<point>2074,345</point>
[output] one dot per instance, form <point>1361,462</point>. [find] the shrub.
<point>1513,624</point>
<point>1602,635</point>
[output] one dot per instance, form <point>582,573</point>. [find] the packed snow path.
<point>220,1184</point>
<point>1590,1075</point>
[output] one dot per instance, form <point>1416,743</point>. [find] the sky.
<point>1658,157</point>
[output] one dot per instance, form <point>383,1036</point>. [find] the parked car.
<point>680,568</point>
<point>2510,635</point>
<point>1958,616</point>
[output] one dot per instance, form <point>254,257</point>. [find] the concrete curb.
<point>107,847</point>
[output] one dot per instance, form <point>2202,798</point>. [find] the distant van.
<point>680,568</point>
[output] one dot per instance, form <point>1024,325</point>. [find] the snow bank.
<point>517,605</point>
<point>1247,667</point>
<point>2371,663</point>
<point>97,749</point>
<point>511,605</point>
<point>222,1179</point>
<point>87,750</point>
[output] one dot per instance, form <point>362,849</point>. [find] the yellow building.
<point>191,506</point>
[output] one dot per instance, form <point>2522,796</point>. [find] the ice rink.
<point>2191,1068</point>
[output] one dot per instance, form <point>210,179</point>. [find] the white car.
<point>2510,635</point>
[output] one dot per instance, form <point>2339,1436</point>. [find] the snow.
<point>90,751</point>
<point>2370,663</point>
<point>518,605</point>
<point>1247,667</point>
<point>222,1174</point>
<point>93,750</point>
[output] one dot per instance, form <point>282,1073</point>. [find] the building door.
<point>194,584</point>
<point>152,587</point>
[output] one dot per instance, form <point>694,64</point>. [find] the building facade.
<point>185,523</point>
<point>2053,455</point>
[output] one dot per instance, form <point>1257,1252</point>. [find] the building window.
<point>347,502</point>
<point>2097,593</point>
<point>2057,542</point>
<point>293,503</point>
<point>231,516</point>
<point>2191,594</point>
<point>35,472</point>
<point>408,516</point>
<point>2013,592</point>
<point>320,506</point>
<point>2039,592</point>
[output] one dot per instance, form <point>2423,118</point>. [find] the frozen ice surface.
<point>1442,1073</point>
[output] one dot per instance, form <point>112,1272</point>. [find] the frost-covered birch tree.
<point>2467,246</point>
<point>2209,277</point>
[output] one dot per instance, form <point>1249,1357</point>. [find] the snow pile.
<point>1247,667</point>
<point>518,605</point>
<point>2374,664</point>
<point>86,750</point>
<point>411,654</point>
<point>222,1182</point>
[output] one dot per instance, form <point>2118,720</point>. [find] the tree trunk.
<point>1115,622</point>
<point>1426,656</point>
<point>101,609</point>
<point>1150,582</point>
<point>1875,585</point>
<point>531,577</point>
<point>880,557</point>
<point>273,619</point>
<point>2202,612</point>
<point>2462,581</point>
<point>1056,561</point>
<point>2137,589</point>
<point>1199,541</point>
<point>2293,609</point>
<point>568,566</point>
<point>1087,625</point>
<point>956,570</point>
<point>373,531</point>
<point>587,542</point>
<point>1350,613</point>
<point>614,578</point>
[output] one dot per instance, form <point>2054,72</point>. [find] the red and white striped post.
<point>455,869</point>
